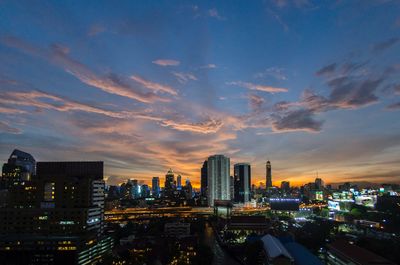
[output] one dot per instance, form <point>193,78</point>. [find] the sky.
<point>312,86</point>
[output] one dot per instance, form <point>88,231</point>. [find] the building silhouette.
<point>268,174</point>
<point>155,187</point>
<point>204,179</point>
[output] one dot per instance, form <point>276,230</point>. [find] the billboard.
<point>333,205</point>
<point>366,200</point>
<point>284,204</point>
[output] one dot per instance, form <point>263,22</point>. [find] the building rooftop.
<point>356,254</point>
<point>301,255</point>
<point>274,248</point>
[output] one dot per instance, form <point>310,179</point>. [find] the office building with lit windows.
<point>57,217</point>
<point>218,173</point>
<point>20,167</point>
<point>242,182</point>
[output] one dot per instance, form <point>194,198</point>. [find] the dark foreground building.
<point>56,217</point>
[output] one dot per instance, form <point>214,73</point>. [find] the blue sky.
<point>149,85</point>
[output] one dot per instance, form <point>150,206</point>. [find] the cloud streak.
<point>166,62</point>
<point>263,88</point>
<point>155,87</point>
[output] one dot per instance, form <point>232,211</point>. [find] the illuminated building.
<point>242,182</point>
<point>268,174</point>
<point>20,167</point>
<point>155,187</point>
<point>179,182</point>
<point>57,217</point>
<point>144,191</point>
<point>135,190</point>
<point>169,185</point>
<point>319,184</point>
<point>203,179</point>
<point>284,204</point>
<point>218,172</point>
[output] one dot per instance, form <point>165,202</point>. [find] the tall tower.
<point>242,182</point>
<point>204,179</point>
<point>169,182</point>
<point>218,171</point>
<point>269,175</point>
<point>179,182</point>
<point>155,187</point>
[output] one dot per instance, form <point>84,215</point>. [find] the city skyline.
<point>146,87</point>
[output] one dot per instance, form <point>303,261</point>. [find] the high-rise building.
<point>57,217</point>
<point>285,186</point>
<point>144,191</point>
<point>135,191</point>
<point>203,179</point>
<point>169,185</point>
<point>218,172</point>
<point>179,182</point>
<point>155,187</point>
<point>268,175</point>
<point>188,190</point>
<point>20,167</point>
<point>242,182</point>
<point>319,184</point>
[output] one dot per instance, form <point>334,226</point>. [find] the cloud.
<point>384,45</point>
<point>111,84</point>
<point>5,128</point>
<point>166,62</point>
<point>155,87</point>
<point>96,30</point>
<point>263,88</point>
<point>209,66</point>
<point>294,3</point>
<point>42,100</point>
<point>213,12</point>
<point>298,120</point>
<point>397,89</point>
<point>276,72</point>
<point>256,101</point>
<point>348,93</point>
<point>183,78</point>
<point>327,70</point>
<point>394,106</point>
<point>205,127</point>
<point>59,56</point>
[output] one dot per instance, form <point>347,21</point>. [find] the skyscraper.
<point>242,182</point>
<point>203,179</point>
<point>155,187</point>
<point>268,175</point>
<point>218,172</point>
<point>319,184</point>
<point>188,190</point>
<point>20,166</point>
<point>57,217</point>
<point>179,182</point>
<point>169,185</point>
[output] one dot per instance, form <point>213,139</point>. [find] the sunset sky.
<point>313,86</point>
